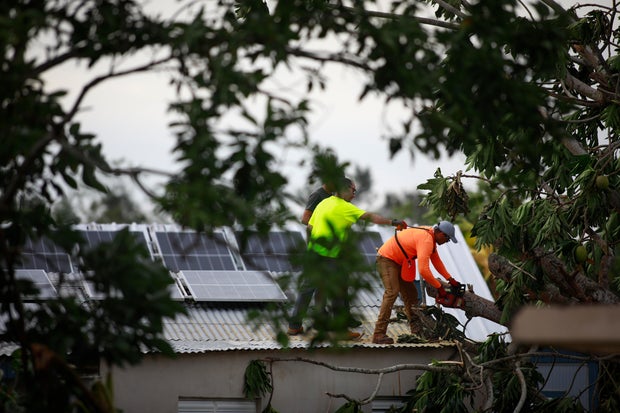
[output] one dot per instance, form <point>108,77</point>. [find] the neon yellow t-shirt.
<point>331,221</point>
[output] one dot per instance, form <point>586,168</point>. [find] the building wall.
<point>157,384</point>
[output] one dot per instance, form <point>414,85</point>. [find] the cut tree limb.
<point>473,305</point>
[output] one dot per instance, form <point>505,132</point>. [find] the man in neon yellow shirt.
<point>329,228</point>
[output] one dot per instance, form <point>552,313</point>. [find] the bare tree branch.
<point>573,83</point>
<point>76,105</point>
<point>439,367</point>
<point>523,384</point>
<point>360,402</point>
<point>421,20</point>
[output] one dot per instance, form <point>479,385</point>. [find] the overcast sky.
<point>129,116</point>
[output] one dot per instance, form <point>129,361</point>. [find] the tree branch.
<point>521,378</point>
<point>573,146</point>
<point>439,367</point>
<point>328,58</point>
<point>391,16</point>
<point>94,82</point>
<point>473,305</point>
<point>488,404</point>
<point>360,402</point>
<point>61,58</point>
<point>450,8</point>
<point>573,83</point>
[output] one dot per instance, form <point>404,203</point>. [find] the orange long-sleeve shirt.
<point>418,243</point>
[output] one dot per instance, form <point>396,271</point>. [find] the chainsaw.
<point>454,298</point>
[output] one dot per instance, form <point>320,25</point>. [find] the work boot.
<point>382,339</point>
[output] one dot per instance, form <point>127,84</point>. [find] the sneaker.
<point>294,331</point>
<point>382,339</point>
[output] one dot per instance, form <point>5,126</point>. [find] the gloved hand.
<point>399,224</point>
<point>456,287</point>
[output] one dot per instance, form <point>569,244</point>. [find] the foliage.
<point>506,386</point>
<point>349,407</point>
<point>257,381</point>
<point>438,392</point>
<point>406,205</point>
<point>608,385</point>
<point>444,327</point>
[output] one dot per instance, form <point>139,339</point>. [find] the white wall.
<point>156,385</point>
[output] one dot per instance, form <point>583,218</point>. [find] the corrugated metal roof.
<point>223,326</point>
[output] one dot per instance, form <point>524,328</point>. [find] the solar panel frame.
<point>270,251</point>
<point>192,251</point>
<point>174,289</point>
<point>232,286</point>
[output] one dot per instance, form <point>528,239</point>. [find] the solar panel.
<point>270,251</point>
<point>43,254</point>
<point>238,286</point>
<point>94,238</point>
<point>368,243</point>
<point>40,279</point>
<point>174,289</point>
<point>194,251</point>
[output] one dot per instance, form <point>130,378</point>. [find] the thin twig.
<point>360,402</point>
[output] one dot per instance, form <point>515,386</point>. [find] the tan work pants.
<point>394,285</point>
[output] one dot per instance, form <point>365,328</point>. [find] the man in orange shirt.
<point>396,265</point>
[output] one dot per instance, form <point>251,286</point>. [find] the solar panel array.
<point>203,266</point>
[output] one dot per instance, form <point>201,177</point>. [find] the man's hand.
<point>456,287</point>
<point>399,224</point>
